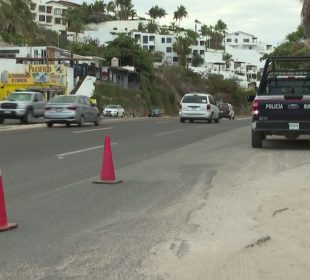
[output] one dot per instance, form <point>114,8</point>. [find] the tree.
<point>305,15</point>
<point>196,23</point>
<point>182,48</point>
<point>227,58</point>
<point>156,12</point>
<point>179,14</point>
<point>16,18</point>
<point>111,7</point>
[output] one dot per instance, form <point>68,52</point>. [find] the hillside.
<point>165,90</point>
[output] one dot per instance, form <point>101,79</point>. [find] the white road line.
<point>169,132</point>
<point>60,156</point>
<point>89,130</point>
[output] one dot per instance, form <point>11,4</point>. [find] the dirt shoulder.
<point>254,223</point>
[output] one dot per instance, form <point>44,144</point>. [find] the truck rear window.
<point>194,99</point>
<point>278,86</point>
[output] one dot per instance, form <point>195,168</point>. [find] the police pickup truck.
<point>281,105</point>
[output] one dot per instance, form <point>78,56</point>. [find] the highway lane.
<point>48,176</point>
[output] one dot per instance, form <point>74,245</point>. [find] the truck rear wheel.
<point>257,139</point>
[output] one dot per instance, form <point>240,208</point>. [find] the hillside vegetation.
<point>166,88</point>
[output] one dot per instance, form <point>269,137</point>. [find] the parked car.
<point>198,106</point>
<point>113,111</point>
<point>23,105</point>
<point>226,111</point>
<point>68,109</point>
<point>156,112</point>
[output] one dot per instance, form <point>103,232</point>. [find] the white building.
<point>246,41</point>
<point>52,14</point>
<point>107,31</point>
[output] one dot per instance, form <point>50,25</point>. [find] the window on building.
<point>163,40</point>
<point>195,51</point>
<point>36,53</point>
<point>145,48</point>
<point>57,20</point>
<point>168,49</point>
<point>57,12</point>
<point>228,40</point>
<point>202,52</point>
<point>145,39</point>
<point>64,12</point>
<point>236,40</point>
<point>32,6</point>
<point>41,18</point>
<point>202,43</point>
<point>49,9</point>
<point>246,40</point>
<point>152,48</point>
<point>64,21</point>
<point>49,19</point>
<point>175,59</point>
<point>115,28</point>
<point>42,9</point>
<point>237,34</point>
<point>169,40</point>
<point>152,38</point>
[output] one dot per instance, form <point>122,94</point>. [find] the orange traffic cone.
<point>4,225</point>
<point>107,175</point>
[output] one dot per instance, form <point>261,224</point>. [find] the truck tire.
<point>28,118</point>
<point>257,139</point>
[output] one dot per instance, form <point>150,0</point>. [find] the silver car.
<point>68,109</point>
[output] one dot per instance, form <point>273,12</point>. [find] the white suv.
<point>198,106</point>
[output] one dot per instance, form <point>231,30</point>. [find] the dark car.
<point>156,112</point>
<point>226,111</point>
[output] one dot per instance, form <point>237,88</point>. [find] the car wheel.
<point>257,139</point>
<point>1,120</point>
<point>97,121</point>
<point>191,121</point>
<point>81,121</point>
<point>67,124</point>
<point>28,118</point>
<point>182,120</point>
<point>217,120</point>
<point>49,124</point>
<point>116,115</point>
<point>211,119</point>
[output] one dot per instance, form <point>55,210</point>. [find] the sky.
<point>269,20</point>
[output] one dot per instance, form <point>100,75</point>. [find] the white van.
<point>198,106</point>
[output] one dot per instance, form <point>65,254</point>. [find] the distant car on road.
<point>226,111</point>
<point>113,111</point>
<point>198,106</point>
<point>23,105</point>
<point>156,112</point>
<point>68,109</point>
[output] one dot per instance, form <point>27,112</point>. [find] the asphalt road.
<point>70,228</point>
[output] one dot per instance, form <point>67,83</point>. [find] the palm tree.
<point>111,7</point>
<point>182,47</point>
<point>180,13</point>
<point>227,58</point>
<point>305,14</point>
<point>156,12</point>
<point>196,23</point>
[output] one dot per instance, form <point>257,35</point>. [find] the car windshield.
<point>63,99</point>
<point>112,106</point>
<point>194,99</point>
<point>20,96</point>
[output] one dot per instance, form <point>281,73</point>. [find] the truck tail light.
<point>255,107</point>
<point>71,107</point>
